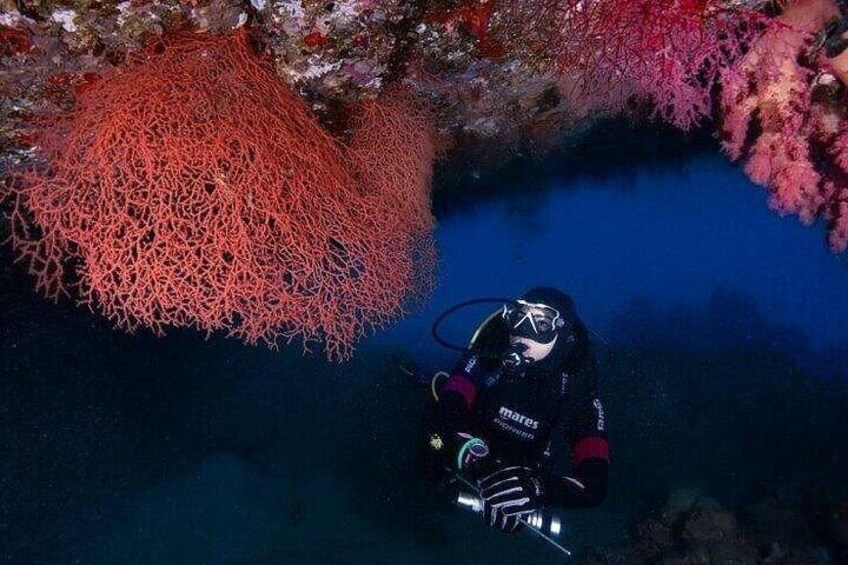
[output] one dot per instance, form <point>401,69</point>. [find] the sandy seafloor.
<point>728,377</point>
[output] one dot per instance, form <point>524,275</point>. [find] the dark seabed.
<point>725,389</point>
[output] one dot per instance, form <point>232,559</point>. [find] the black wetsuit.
<point>549,418</point>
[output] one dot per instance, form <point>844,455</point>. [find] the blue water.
<point>670,237</point>
<point>727,322</point>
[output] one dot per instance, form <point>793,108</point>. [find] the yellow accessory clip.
<point>436,442</point>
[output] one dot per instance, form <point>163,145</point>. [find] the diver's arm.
<point>584,487</point>
<point>458,395</point>
<point>459,392</point>
<point>447,422</point>
<point>585,484</point>
<point>461,384</point>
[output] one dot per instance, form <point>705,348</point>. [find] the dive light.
<point>542,521</point>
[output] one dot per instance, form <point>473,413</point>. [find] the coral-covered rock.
<point>48,48</point>
<point>774,520</point>
<point>689,529</point>
<point>680,503</point>
<point>667,53</point>
<point>336,51</point>
<point>708,524</point>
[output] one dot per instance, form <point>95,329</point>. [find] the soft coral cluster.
<point>785,114</point>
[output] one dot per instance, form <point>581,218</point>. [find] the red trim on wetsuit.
<point>590,448</point>
<point>464,386</point>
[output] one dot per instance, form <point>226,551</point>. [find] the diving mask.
<point>538,322</point>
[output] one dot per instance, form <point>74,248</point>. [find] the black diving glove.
<point>508,494</point>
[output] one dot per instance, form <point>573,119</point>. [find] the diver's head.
<point>540,322</point>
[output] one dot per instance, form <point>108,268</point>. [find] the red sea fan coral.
<point>392,148</point>
<point>195,189</point>
<point>391,152</point>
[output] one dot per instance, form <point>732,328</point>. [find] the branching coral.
<point>605,53</point>
<point>226,208</point>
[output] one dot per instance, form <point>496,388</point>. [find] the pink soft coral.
<point>606,53</point>
<point>794,140</point>
<point>838,221</point>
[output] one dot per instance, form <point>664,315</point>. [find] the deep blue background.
<point>727,321</point>
<point>671,235</point>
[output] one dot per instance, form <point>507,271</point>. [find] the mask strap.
<point>527,316</point>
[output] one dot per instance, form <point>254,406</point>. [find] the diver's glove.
<point>508,494</point>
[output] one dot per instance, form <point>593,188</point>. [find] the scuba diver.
<point>517,406</point>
